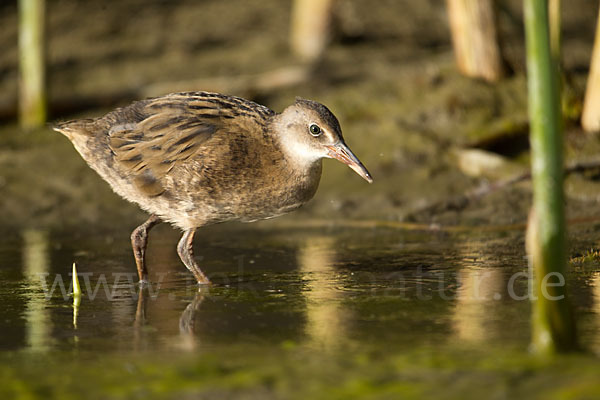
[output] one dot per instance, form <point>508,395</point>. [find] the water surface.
<point>337,300</point>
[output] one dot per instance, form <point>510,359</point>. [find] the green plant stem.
<point>553,327</point>
<point>32,81</point>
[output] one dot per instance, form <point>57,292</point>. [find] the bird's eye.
<point>314,129</point>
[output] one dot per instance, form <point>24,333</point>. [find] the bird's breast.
<point>283,193</point>
<point>244,187</point>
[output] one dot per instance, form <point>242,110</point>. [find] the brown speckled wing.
<point>150,137</point>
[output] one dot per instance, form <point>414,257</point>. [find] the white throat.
<point>297,150</point>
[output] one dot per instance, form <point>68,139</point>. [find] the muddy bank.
<point>389,76</point>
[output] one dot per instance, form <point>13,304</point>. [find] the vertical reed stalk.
<point>32,81</point>
<point>311,28</point>
<point>555,29</point>
<point>590,118</point>
<point>475,38</point>
<point>553,327</point>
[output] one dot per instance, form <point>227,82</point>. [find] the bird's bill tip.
<point>342,153</point>
<point>362,171</point>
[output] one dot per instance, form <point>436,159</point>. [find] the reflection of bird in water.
<point>187,332</point>
<point>197,158</point>
<point>187,320</point>
<point>140,319</point>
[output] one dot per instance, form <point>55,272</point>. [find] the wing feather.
<point>150,137</point>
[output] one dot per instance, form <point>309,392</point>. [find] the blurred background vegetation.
<point>388,71</point>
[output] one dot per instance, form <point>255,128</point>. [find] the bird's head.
<point>310,132</point>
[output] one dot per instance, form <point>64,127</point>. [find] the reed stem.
<point>553,327</point>
<point>32,80</point>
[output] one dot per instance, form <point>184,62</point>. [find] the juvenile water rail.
<point>199,158</point>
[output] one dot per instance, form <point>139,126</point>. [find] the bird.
<point>194,159</point>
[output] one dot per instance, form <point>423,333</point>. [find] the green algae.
<point>242,371</point>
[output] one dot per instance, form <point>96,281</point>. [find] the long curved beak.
<point>342,153</point>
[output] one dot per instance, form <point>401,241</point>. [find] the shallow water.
<point>328,292</point>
